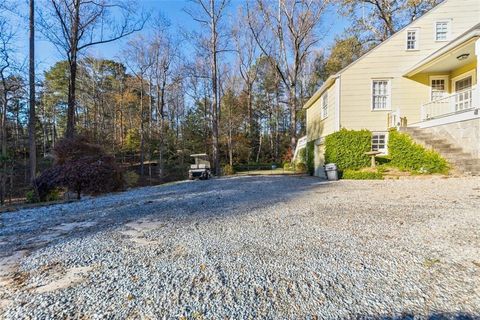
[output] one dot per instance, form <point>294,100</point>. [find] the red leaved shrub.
<point>80,167</point>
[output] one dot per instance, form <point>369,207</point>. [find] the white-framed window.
<point>442,30</point>
<point>325,105</point>
<point>413,39</point>
<point>380,142</point>
<point>381,94</point>
<point>438,87</point>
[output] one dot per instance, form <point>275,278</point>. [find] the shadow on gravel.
<point>36,228</point>
<point>433,316</point>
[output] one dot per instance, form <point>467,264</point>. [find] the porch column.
<point>476,93</point>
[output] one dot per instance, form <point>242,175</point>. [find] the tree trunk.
<point>141,130</point>
<point>31,120</point>
<point>293,118</point>
<point>161,140</point>
<point>215,108</point>
<point>250,119</point>
<point>70,132</point>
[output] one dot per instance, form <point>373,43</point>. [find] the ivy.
<point>347,148</point>
<point>405,154</point>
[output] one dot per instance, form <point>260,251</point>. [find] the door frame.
<point>446,78</point>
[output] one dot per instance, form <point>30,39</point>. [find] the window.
<point>463,84</point>
<point>442,30</point>
<point>379,142</point>
<point>412,39</point>
<point>463,98</point>
<point>438,87</point>
<point>381,94</point>
<point>325,105</point>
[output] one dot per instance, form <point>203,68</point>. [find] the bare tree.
<point>212,12</point>
<point>139,59</point>
<point>247,56</point>
<point>7,86</point>
<point>287,34</point>
<point>164,51</point>
<point>31,114</point>
<point>75,25</point>
<point>377,20</point>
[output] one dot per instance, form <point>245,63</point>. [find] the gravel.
<point>249,247</point>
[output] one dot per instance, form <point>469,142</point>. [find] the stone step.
<point>453,153</point>
<point>465,161</point>
<point>453,150</point>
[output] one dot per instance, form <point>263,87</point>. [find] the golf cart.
<point>201,168</point>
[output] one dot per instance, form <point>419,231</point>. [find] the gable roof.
<point>325,86</point>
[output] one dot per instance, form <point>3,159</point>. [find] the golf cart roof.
<point>198,155</point>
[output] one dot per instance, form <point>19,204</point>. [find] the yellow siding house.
<point>424,76</point>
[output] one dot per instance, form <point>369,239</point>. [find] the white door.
<point>438,88</point>
<point>463,97</point>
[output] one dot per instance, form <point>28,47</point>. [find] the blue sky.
<point>47,55</point>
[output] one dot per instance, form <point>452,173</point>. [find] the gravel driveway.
<point>276,247</point>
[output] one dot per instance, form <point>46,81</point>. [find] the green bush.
<point>408,155</point>
<point>53,195</point>
<point>301,167</point>
<point>228,170</point>
<point>347,148</point>
<point>288,166</point>
<point>310,157</point>
<point>31,197</point>
<point>255,166</point>
<point>361,175</point>
<point>130,178</point>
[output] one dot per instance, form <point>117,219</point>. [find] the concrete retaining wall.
<point>464,134</point>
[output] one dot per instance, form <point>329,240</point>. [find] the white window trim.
<point>439,77</point>
<point>417,39</point>
<point>449,30</point>
<point>385,152</point>
<point>467,74</point>
<point>324,112</point>
<point>389,98</point>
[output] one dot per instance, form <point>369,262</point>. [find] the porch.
<point>451,75</point>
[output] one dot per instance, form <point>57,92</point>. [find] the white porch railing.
<point>455,103</point>
<point>395,120</point>
<point>301,143</point>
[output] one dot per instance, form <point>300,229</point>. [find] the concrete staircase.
<point>461,161</point>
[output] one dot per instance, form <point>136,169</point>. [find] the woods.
<point>231,86</point>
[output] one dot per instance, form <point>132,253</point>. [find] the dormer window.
<point>442,30</point>
<point>412,39</point>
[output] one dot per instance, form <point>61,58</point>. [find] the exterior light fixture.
<point>463,56</point>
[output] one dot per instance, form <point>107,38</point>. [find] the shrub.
<point>228,170</point>
<point>130,178</point>
<point>301,167</point>
<point>302,155</point>
<point>80,167</point>
<point>288,156</point>
<point>53,195</point>
<point>310,157</point>
<point>69,150</point>
<point>256,166</point>
<point>361,175</point>
<point>347,148</point>
<point>408,155</point>
<point>31,196</point>
<point>288,166</point>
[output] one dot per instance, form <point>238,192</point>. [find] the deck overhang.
<point>456,54</point>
